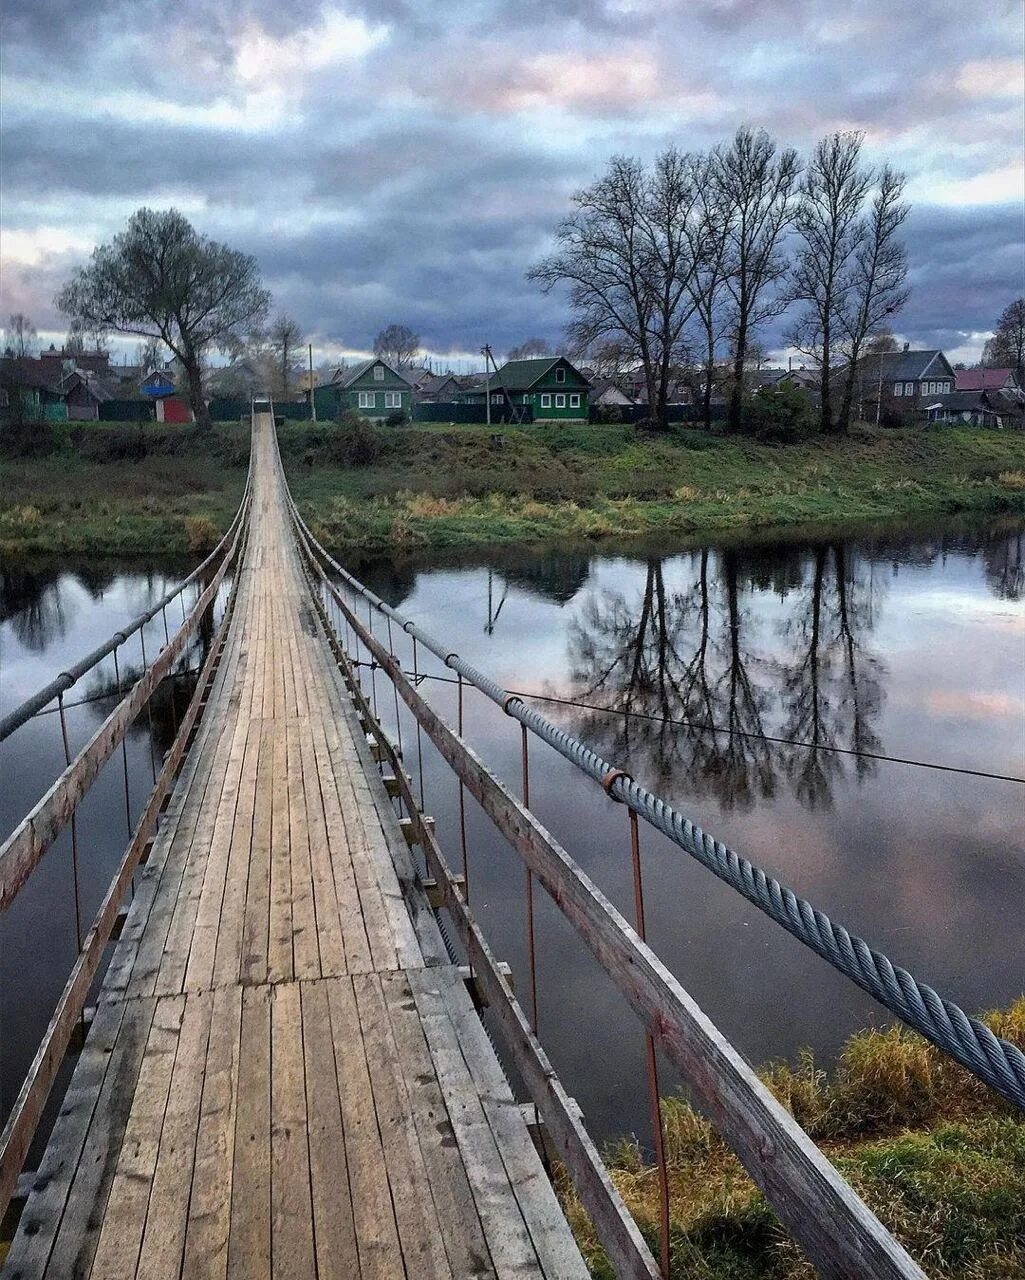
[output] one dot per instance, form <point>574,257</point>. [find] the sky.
<point>406,161</point>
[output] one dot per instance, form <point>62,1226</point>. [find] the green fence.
<point>456,411</point>
<point>127,410</point>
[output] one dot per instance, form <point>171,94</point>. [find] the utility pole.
<point>313,398</point>
<point>486,353</point>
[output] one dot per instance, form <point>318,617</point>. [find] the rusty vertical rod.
<point>373,665</point>
<point>462,806</point>
<point>419,735</point>
<point>395,691</point>
<point>163,612</point>
<point>124,752</point>
<point>525,769</point>
<point>74,828</point>
<point>657,1129</point>
<point>149,707</point>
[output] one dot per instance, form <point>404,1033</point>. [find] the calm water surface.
<point>908,644</point>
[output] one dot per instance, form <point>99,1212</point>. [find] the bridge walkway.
<point>285,1075</point>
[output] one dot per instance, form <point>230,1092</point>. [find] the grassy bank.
<point>936,1155</point>
<point>113,489</point>
<point>460,487</point>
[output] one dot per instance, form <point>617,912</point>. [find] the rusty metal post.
<point>419,734</point>
<point>149,707</point>
<point>657,1129</point>
<point>525,770</point>
<point>74,829</point>
<point>462,804</point>
<point>373,665</point>
<point>124,752</point>
<point>163,613</point>
<point>395,691</point>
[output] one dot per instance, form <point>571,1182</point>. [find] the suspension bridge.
<point>280,1067</point>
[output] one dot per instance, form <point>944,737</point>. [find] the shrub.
<point>609,413</point>
<point>361,442</point>
<point>201,533</point>
<point>396,419</point>
<point>780,414</point>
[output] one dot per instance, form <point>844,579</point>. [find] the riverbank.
<point>938,1157</point>
<point>118,489</point>
<point>469,487</point>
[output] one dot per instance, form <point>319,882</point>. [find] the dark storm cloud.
<point>402,160</point>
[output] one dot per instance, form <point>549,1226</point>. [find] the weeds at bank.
<point>99,491</point>
<point>937,1156</point>
<point>463,488</point>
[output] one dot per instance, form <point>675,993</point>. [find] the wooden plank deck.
<point>285,1075</point>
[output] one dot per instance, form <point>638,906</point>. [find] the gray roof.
<point>351,375</point>
<point>907,366</point>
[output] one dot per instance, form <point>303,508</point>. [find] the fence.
<point>457,411</point>
<point>127,410</point>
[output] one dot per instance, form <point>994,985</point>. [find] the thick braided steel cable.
<point>992,1059</point>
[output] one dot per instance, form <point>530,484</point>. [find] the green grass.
<point>107,489</point>
<point>935,1155</point>
<point>468,486</point>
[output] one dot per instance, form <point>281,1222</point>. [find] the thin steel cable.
<point>994,1060</point>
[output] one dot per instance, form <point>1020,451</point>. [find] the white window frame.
<point>909,388</point>
<point>898,388</point>
<point>574,400</point>
<point>378,372</point>
<point>560,375</point>
<point>546,399</point>
<point>368,399</point>
<point>393,399</point>
<point>560,400</point>
<point>497,397</point>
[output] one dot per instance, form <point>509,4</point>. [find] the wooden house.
<point>550,386</point>
<point>373,388</point>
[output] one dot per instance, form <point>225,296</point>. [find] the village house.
<point>898,385</point>
<point>549,386</point>
<point>1001,380</point>
<point>373,388</point>
<point>979,408</point>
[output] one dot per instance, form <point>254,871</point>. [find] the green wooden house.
<point>550,385</point>
<point>373,388</point>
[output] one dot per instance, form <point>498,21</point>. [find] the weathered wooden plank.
<point>333,1224</point>
<point>380,1256</point>
<point>291,1197</point>
<point>249,1241</point>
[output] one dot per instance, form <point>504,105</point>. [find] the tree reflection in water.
<point>678,661</point>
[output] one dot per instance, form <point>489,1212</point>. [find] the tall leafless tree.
<point>160,279</point>
<point>755,184</point>
<point>625,253</point>
<point>21,334</point>
<point>829,223</point>
<point>879,272</point>
<point>708,282</point>
<point>284,335</point>
<point>1007,345</point>
<point>398,344</point>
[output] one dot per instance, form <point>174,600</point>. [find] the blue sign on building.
<point>158,389</point>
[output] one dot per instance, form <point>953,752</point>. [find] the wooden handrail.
<point>838,1232</point>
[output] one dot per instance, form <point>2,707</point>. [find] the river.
<point>862,689</point>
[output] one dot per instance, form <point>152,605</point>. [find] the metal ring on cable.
<point>610,778</point>
<point>508,700</point>
<point>449,657</point>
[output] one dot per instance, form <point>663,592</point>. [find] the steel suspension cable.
<point>970,1042</point>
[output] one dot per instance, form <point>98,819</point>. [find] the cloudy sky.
<point>406,160</point>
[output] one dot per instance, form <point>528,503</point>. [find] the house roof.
<point>25,371</point>
<point>352,375</point>
<point>981,379</point>
<point>897,366</point>
<point>521,375</point>
<point>435,381</point>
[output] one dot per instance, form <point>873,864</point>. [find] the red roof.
<point>980,379</point>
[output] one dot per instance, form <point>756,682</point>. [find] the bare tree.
<point>879,273</point>
<point>150,355</point>
<point>708,282</point>
<point>160,279</point>
<point>754,184</point>
<point>285,335</point>
<point>74,343</point>
<point>21,334</point>
<point>626,254</point>
<point>829,223</point>
<point>532,347</point>
<point>398,344</point>
<point>1006,348</point>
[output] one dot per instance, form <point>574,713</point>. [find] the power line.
<point>739,733</point>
